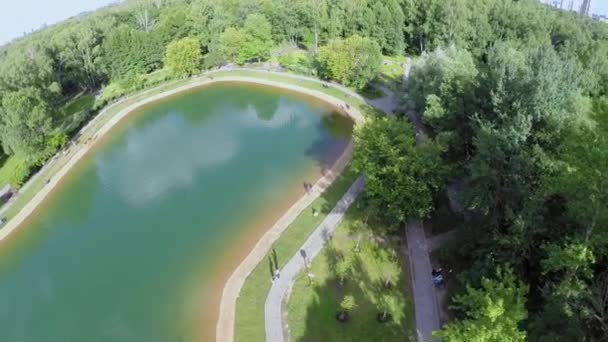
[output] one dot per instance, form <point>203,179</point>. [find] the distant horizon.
<point>27,16</point>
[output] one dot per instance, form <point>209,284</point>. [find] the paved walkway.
<point>281,287</point>
<point>425,300</point>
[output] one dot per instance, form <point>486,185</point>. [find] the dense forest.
<point>514,93</point>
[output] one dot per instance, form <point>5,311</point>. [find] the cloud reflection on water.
<point>171,163</point>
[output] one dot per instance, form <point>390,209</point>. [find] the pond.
<point>136,244</point>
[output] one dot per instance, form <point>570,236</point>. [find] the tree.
<point>229,45</point>
<point>390,273</point>
<point>183,57</point>
<point>443,85</point>
<point>128,50</point>
<point>401,179</point>
<point>386,302</point>
<point>258,40</point>
<point>492,312</point>
<point>343,268</point>
<point>346,305</point>
<point>353,61</point>
<point>25,123</point>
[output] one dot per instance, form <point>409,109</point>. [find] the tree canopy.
<point>183,57</point>
<point>513,93</point>
<point>401,179</point>
<point>353,61</point>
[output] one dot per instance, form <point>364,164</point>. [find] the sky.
<point>22,16</point>
<point>597,6</point>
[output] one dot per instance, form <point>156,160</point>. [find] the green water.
<point>123,251</point>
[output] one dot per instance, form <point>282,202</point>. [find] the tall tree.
<point>492,312</point>
<point>401,179</point>
<point>25,123</point>
<point>184,57</point>
<point>353,61</point>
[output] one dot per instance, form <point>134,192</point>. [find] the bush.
<point>297,61</point>
<point>353,61</point>
<point>183,57</point>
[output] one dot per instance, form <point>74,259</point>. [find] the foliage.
<point>183,57</point>
<point>513,91</point>
<point>25,123</point>
<point>56,141</point>
<point>312,307</point>
<point>401,179</point>
<point>348,303</point>
<point>343,268</point>
<point>249,323</point>
<point>14,171</point>
<point>353,61</point>
<point>240,45</point>
<point>390,273</point>
<point>296,61</point>
<point>492,312</point>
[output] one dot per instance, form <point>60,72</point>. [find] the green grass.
<point>76,111</point>
<point>312,308</point>
<point>391,72</point>
<point>249,325</point>
<point>82,102</point>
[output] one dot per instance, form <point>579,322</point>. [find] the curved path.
<point>313,245</point>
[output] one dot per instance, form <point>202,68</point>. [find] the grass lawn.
<point>391,72</point>
<point>82,102</point>
<point>312,308</point>
<point>76,111</point>
<point>249,325</point>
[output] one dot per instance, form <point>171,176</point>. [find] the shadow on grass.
<point>313,307</point>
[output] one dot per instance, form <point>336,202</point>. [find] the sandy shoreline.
<point>225,323</point>
<point>15,223</point>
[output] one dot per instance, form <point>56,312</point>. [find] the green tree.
<point>229,45</point>
<point>258,41</point>
<point>492,313</point>
<point>401,179</point>
<point>343,268</point>
<point>390,273</point>
<point>183,57</point>
<point>347,304</point>
<point>353,61</point>
<point>25,123</point>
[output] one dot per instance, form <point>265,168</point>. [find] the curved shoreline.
<point>15,223</point>
<point>224,331</point>
<point>225,322</point>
